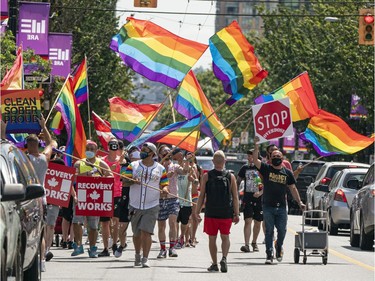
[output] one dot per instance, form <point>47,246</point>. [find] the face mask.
<point>143,155</point>
<point>90,154</point>
<point>276,161</point>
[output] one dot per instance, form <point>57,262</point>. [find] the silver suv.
<point>324,177</point>
<point>21,215</point>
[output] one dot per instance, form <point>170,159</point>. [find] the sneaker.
<point>118,252</point>
<point>70,245</point>
<point>173,253</point>
<point>223,265</point>
<point>255,247</point>
<point>92,252</point>
<point>213,268</point>
<point>269,259</point>
<point>77,250</point>
<point>64,245</point>
<point>137,261</point>
<point>114,248</point>
<point>104,253</point>
<point>43,266</point>
<point>279,254</point>
<point>162,254</point>
<point>178,246</point>
<point>145,262</point>
<point>245,249</point>
<point>48,256</point>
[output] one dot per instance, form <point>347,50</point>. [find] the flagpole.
<point>200,123</point>
<point>88,98</point>
<point>224,128</point>
<point>57,98</point>
<point>152,117</point>
<point>170,101</point>
<point>121,175</point>
<point>199,133</point>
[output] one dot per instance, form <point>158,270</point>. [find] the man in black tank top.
<point>219,189</point>
<point>276,179</point>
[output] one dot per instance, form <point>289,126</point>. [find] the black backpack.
<point>219,200</point>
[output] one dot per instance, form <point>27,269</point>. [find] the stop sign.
<point>272,120</point>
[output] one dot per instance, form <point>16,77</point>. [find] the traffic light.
<point>366,27</point>
<point>146,3</point>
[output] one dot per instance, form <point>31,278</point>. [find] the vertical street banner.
<point>33,26</point>
<point>4,10</point>
<point>21,110</point>
<point>60,50</point>
<point>58,184</point>
<point>95,196</point>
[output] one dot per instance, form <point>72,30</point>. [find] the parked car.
<point>21,215</point>
<point>307,175</point>
<point>338,199</point>
<point>362,212</point>
<point>234,164</point>
<point>324,177</point>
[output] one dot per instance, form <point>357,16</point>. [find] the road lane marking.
<point>342,256</point>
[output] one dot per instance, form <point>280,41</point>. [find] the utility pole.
<point>13,10</point>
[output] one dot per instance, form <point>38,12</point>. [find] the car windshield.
<point>311,169</point>
<point>206,164</point>
<point>358,177</point>
<point>234,165</point>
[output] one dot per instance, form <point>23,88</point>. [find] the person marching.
<point>276,179</point>
<point>91,166</point>
<point>252,201</point>
<point>146,178</point>
<point>219,189</point>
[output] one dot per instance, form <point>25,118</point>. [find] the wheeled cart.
<point>312,242</point>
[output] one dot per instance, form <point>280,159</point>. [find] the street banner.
<point>272,120</point>
<point>58,184</point>
<point>33,26</point>
<point>60,50</point>
<point>4,10</point>
<point>95,196</point>
<point>21,109</point>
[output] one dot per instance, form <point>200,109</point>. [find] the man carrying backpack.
<point>218,189</point>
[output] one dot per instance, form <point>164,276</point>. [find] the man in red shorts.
<point>219,189</point>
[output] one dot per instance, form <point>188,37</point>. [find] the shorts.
<point>104,219</point>
<point>144,220</point>
<point>168,207</point>
<point>212,226</point>
<point>184,215</point>
<point>67,213</point>
<point>92,222</point>
<point>121,206</point>
<point>52,214</point>
<point>253,209</point>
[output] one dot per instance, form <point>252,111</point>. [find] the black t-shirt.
<point>275,184</point>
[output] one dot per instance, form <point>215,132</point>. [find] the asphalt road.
<point>344,262</point>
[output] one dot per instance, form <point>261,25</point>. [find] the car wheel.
<point>18,263</point>
<point>365,240</point>
<point>34,272</point>
<point>354,238</point>
<point>332,227</point>
<point>3,265</point>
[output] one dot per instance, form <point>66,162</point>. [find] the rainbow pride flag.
<point>303,103</point>
<point>191,101</point>
<point>81,91</point>
<point>128,119</point>
<point>13,79</point>
<point>156,53</point>
<point>330,135</point>
<point>67,106</point>
<point>170,134</point>
<point>234,62</point>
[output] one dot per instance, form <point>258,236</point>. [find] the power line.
<point>206,14</point>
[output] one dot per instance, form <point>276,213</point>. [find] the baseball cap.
<point>151,146</point>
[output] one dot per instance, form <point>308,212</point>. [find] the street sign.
<point>38,79</point>
<point>272,120</point>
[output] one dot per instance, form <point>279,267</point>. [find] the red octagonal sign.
<point>272,120</point>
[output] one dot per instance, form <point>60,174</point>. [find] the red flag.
<point>103,130</point>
